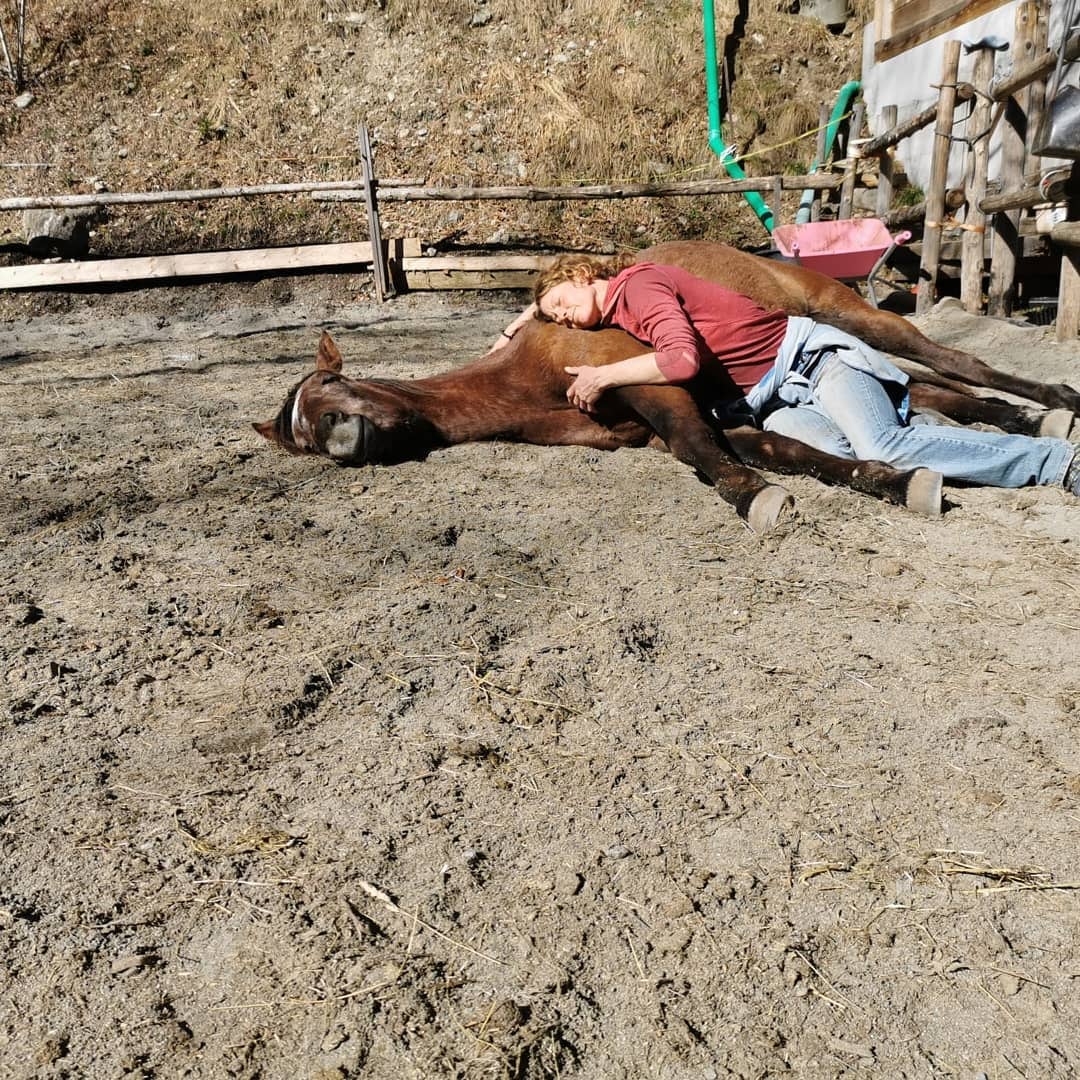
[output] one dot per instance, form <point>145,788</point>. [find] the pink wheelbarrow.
<point>852,250</point>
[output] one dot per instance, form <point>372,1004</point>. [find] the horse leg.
<point>917,489</point>
<point>967,408</point>
<point>892,333</point>
<point>673,415</point>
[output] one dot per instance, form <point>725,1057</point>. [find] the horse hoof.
<point>1057,423</point>
<point>924,492</point>
<point>767,507</point>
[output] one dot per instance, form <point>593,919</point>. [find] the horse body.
<point>519,394</point>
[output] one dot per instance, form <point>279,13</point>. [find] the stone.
<point>57,232</point>
<point>24,100</point>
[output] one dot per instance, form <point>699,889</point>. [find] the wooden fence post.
<point>851,172</point>
<point>886,164</point>
<point>973,246</point>
<point>1036,101</point>
<point>1007,244</point>
<point>1067,326</point>
<point>939,168</point>
<point>384,287</point>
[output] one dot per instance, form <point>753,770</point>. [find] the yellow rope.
<point>701,168</point>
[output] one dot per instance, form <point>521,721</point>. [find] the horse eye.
<point>330,378</point>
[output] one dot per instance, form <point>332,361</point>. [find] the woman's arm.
<point>505,337</point>
<point>590,382</point>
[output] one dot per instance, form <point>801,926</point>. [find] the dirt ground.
<point>518,762</point>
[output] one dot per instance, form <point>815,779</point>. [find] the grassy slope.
<point>157,94</point>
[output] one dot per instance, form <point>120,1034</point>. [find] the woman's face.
<point>572,304</point>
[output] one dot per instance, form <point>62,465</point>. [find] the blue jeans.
<point>851,414</point>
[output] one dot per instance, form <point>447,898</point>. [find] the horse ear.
<point>328,358</point>
<point>268,430</point>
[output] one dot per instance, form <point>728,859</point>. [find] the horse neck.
<point>468,403</point>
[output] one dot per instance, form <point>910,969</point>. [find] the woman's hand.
<point>507,335</point>
<point>589,383</point>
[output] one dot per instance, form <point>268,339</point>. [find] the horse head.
<point>351,421</point>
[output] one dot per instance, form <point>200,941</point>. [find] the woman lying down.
<point>798,377</point>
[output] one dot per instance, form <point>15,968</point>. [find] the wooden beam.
<point>939,166</point>
<point>211,264</point>
<point>1068,312</point>
<point>1066,234</point>
<point>1024,198</point>
<point>973,260</point>
<point>819,156</point>
<point>1006,248</point>
<point>964,92</point>
<point>851,171</point>
<point>817,181</point>
<point>141,198</point>
<point>886,165</point>
<point>1023,75</point>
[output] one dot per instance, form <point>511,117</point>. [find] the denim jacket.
<point>804,338</point>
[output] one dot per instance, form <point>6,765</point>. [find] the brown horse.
<point>519,394</point>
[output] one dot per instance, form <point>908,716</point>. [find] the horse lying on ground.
<point>519,394</point>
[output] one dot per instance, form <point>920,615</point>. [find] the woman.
<point>800,378</point>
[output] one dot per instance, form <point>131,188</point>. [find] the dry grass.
<point>157,94</point>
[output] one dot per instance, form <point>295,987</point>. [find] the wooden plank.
<point>939,166</point>
<point>1068,313</point>
<point>939,22</point>
<point>973,260</point>
<point>476,262</point>
<point>210,264</point>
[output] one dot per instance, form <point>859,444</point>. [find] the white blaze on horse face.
<point>302,433</point>
<point>343,441</point>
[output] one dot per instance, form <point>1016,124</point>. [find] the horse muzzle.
<point>348,439</point>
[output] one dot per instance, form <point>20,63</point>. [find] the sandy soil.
<point>519,762</point>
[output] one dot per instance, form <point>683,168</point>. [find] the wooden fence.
<point>1017,101</point>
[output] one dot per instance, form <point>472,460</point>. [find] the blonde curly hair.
<point>580,269</point>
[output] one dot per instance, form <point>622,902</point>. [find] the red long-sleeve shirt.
<point>688,321</point>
